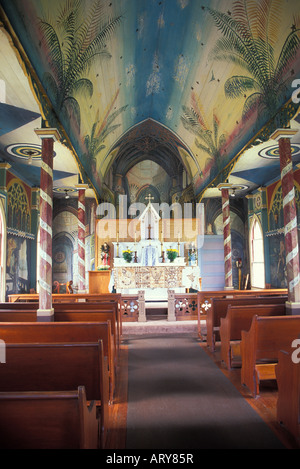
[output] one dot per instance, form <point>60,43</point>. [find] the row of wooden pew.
<point>58,379</point>
<point>256,334</point>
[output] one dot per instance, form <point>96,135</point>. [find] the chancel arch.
<point>148,154</point>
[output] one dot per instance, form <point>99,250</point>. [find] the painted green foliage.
<point>75,39</point>
<point>249,39</point>
<point>206,139</point>
<point>95,141</point>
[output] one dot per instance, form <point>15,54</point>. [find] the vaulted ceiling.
<point>197,83</point>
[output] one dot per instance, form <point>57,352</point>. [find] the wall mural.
<point>17,265</point>
<point>110,65</point>
<point>19,236</point>
<point>275,234</point>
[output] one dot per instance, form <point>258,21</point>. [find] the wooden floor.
<point>264,405</point>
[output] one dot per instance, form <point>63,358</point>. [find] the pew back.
<point>219,307</point>
<point>63,332</point>
<point>62,297</point>
<point>260,347</point>
<point>239,318</point>
<point>88,308</point>
<point>56,367</point>
<point>48,420</point>
<point>204,299</point>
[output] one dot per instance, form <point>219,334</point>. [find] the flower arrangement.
<point>172,254</point>
<point>103,267</point>
<point>127,255</point>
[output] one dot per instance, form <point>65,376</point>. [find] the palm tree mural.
<point>95,141</point>
<point>249,36</point>
<point>210,141</point>
<point>74,40</point>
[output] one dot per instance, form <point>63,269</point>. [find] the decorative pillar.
<point>171,305</point>
<point>142,306</point>
<point>283,137</point>
<point>224,188</point>
<point>81,237</point>
<point>48,137</point>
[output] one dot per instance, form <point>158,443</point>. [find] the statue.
<point>105,254</point>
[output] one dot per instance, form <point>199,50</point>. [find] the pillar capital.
<point>48,133</point>
<point>81,186</point>
<point>283,133</point>
<point>224,185</point>
<point>5,166</point>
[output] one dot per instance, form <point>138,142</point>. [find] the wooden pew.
<point>218,310</point>
<point>204,299</point>
<point>21,312</point>
<point>63,332</point>
<point>260,347</point>
<point>18,315</point>
<point>92,316</point>
<point>94,311</point>
<point>68,316</point>
<point>239,318</point>
<point>48,420</point>
<point>66,297</point>
<point>288,402</point>
<point>59,367</point>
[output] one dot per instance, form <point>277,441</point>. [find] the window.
<point>257,256</point>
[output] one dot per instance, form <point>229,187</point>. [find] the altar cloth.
<point>158,276</point>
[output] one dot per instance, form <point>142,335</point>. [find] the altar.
<point>149,265</point>
<point>155,280</point>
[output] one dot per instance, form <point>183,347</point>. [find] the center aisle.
<point>179,399</point>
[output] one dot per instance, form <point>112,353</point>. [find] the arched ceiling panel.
<point>214,73</point>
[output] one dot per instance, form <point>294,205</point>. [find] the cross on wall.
<point>149,197</point>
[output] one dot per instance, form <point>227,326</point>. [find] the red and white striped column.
<point>283,136</point>
<point>48,137</point>
<point>227,235</point>
<point>81,237</point>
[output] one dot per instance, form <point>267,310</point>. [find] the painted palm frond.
<point>191,120</point>
<point>206,140</point>
<point>237,86</point>
<point>73,40</point>
<point>95,141</point>
<point>249,37</point>
<point>289,49</point>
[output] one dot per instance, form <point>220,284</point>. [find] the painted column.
<point>81,237</point>
<point>227,235</point>
<point>283,137</point>
<point>48,137</point>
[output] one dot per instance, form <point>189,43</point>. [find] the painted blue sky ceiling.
<point>210,72</point>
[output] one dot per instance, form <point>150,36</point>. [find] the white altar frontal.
<point>150,270</point>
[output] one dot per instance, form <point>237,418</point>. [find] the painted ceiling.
<point>197,83</point>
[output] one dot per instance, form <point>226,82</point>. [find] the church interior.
<point>150,185</point>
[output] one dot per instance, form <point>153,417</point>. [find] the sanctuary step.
<point>159,327</point>
<point>156,310</point>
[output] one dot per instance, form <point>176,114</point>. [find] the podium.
<point>99,281</point>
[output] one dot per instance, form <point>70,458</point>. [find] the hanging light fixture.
<point>67,195</point>
<point>30,153</point>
